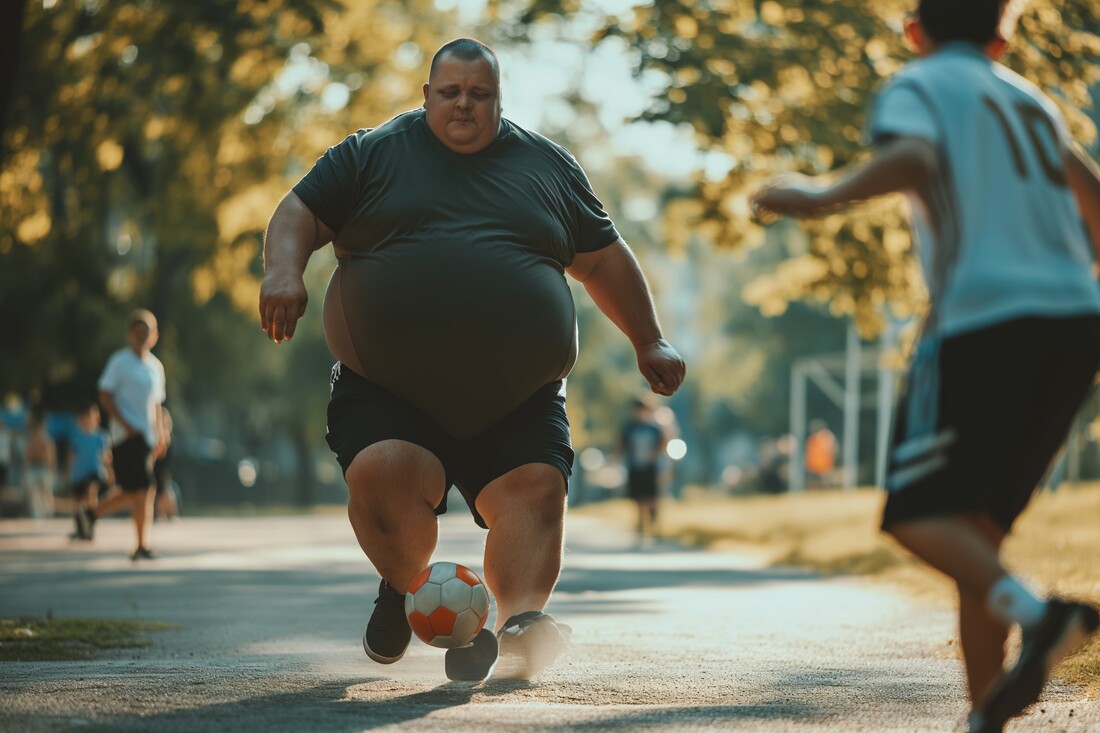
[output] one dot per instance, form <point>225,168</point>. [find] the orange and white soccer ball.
<point>447,604</point>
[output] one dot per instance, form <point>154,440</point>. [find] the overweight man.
<point>454,331</point>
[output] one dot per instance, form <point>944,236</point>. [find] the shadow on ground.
<point>334,708</point>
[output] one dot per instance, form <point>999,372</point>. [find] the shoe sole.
<point>1030,682</point>
<point>461,665</point>
<point>378,657</point>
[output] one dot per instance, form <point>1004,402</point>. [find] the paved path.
<point>271,611</point>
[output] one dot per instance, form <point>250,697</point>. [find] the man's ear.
<point>914,33</point>
<point>426,93</point>
<point>996,48</point>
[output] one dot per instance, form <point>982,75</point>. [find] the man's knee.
<point>535,491</point>
<point>394,475</point>
<point>987,527</point>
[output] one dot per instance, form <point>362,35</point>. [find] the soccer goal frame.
<point>840,377</point>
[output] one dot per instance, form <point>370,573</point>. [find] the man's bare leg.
<point>143,514</point>
<point>982,637</point>
<point>966,549</point>
<point>114,503</point>
<point>394,488</point>
<point>651,515</point>
<point>525,512</point>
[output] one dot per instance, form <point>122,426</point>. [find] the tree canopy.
<point>148,143</point>
<point>785,85</point>
<point>145,147</point>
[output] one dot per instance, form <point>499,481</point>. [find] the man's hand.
<point>662,366</point>
<point>789,195</point>
<point>293,234</point>
<point>282,302</point>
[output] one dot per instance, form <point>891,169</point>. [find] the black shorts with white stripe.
<point>983,415</point>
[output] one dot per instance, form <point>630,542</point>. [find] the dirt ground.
<point>269,613</point>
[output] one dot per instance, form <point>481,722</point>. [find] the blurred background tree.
<point>146,144</point>
<point>145,147</point>
<point>785,85</point>
<point>761,88</point>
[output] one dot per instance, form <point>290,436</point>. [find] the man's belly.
<point>465,342</point>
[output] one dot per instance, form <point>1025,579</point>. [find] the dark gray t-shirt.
<point>450,290</point>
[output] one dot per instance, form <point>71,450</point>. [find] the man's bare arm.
<point>902,164</point>
<point>107,399</point>
<point>293,234</point>
<point>615,281</point>
<point>1084,179</point>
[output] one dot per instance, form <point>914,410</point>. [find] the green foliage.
<point>147,145</point>
<point>785,85</point>
<point>115,165</point>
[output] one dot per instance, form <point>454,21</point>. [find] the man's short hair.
<point>976,21</point>
<point>144,317</point>
<point>467,49</point>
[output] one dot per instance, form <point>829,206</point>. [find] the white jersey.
<point>999,231</point>
<point>137,384</point>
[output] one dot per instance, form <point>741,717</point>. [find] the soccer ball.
<point>447,604</point>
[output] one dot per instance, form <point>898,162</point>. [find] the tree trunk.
<point>11,27</point>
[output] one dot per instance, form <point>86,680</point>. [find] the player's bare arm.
<point>1084,179</point>
<point>615,281</point>
<point>293,234</point>
<point>161,448</point>
<point>107,399</point>
<point>902,164</point>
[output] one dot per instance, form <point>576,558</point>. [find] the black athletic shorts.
<point>983,415</point>
<point>81,485</point>
<point>132,459</point>
<point>641,483</point>
<point>360,413</point>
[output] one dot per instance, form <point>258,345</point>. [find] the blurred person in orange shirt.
<point>820,455</point>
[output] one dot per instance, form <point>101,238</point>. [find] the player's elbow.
<point>921,161</point>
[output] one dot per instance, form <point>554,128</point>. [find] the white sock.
<point>1010,601</point>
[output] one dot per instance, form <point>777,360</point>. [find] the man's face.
<point>89,419</point>
<point>462,102</point>
<point>142,336</point>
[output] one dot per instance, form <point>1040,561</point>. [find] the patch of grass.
<point>67,639</point>
<point>1055,544</point>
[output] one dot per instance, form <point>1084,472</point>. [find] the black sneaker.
<point>475,661</point>
<point>85,523</point>
<point>1063,628</point>
<point>529,643</point>
<point>388,633</point>
<point>143,553</point>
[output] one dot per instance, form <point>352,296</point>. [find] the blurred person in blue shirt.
<point>89,457</point>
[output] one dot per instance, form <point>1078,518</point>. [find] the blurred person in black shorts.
<point>131,390</point>
<point>642,443</point>
<point>89,459</point>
